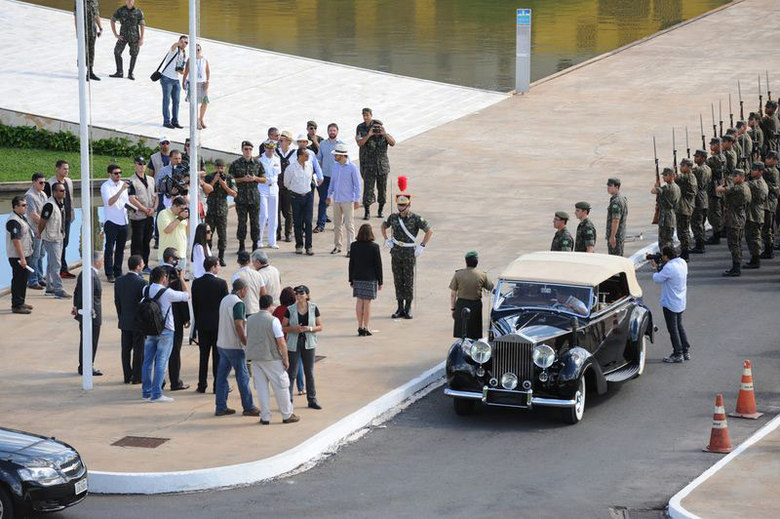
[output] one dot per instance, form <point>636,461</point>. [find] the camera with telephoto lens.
<point>377,129</point>
<point>654,257</point>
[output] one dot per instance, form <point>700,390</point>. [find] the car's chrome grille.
<point>73,468</point>
<point>511,353</point>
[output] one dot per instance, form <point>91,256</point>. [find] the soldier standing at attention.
<point>373,140</point>
<point>131,32</point>
<point>756,134</point>
<point>769,125</point>
<point>689,188</point>
<point>772,179</point>
<point>703,176</point>
<point>617,213</point>
<point>404,226</point>
<point>727,147</point>
<point>586,231</point>
<point>737,197</point>
<point>717,164</point>
<point>217,207</point>
<point>562,241</point>
<point>94,28</point>
<point>744,141</point>
<point>668,200</point>
<point>466,290</point>
<point>759,192</point>
<point>247,172</point>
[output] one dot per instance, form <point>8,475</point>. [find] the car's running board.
<point>623,373</point>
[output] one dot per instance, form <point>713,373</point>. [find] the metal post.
<point>86,201</point>
<point>193,84</point>
<point>523,51</point>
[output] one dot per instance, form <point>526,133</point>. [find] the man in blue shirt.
<point>673,278</point>
<point>327,163</point>
<point>344,193</point>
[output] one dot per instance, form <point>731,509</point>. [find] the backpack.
<point>149,318</point>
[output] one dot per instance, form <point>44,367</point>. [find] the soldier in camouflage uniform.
<point>94,28</point>
<point>689,188</point>
<point>759,192</point>
<point>404,227</point>
<point>373,140</point>
<point>736,146</point>
<point>617,214</point>
<point>756,135</point>
<point>247,172</point>
<point>772,179</point>
<point>730,154</point>
<point>562,241</point>
<point>717,165</point>
<point>770,126</point>
<point>744,141</point>
<point>703,176</point>
<point>585,240</point>
<point>737,198</point>
<point>223,186</point>
<point>130,33</point>
<point>668,197</point>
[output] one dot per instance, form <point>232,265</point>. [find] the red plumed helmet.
<point>402,182</point>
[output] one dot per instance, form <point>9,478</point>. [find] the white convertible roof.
<point>571,268</point>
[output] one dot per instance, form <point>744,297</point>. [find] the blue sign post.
<point>523,51</point>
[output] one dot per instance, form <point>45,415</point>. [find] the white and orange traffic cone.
<point>719,437</point>
<point>746,402</point>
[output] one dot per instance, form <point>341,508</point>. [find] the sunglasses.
<point>116,172</point>
<point>165,143</point>
<point>41,182</point>
<point>248,149</point>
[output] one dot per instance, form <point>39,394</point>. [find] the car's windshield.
<point>517,294</point>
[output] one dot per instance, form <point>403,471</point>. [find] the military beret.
<point>472,254</point>
<point>219,162</point>
<point>245,144</point>
<point>585,206</point>
<point>714,140</point>
<point>686,162</point>
<point>739,172</point>
<point>728,137</point>
<point>700,153</point>
<point>667,171</point>
<point>757,165</point>
<point>613,181</point>
<point>771,155</point>
<point>771,104</point>
<point>402,199</point>
<point>562,215</point>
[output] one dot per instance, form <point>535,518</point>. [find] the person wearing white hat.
<point>344,192</point>
<point>269,192</point>
<point>304,143</point>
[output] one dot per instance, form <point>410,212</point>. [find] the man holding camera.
<point>672,275</point>
<point>223,186</point>
<point>168,180</point>
<point>115,203</point>
<point>172,66</point>
<point>373,140</point>
<point>173,263</point>
<point>248,173</point>
<point>172,225</point>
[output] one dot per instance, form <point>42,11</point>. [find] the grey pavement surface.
<point>637,446</point>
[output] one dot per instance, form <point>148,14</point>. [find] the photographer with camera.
<point>172,225</point>
<point>373,140</point>
<point>172,67</point>
<point>116,202</point>
<point>222,186</point>
<point>672,275</point>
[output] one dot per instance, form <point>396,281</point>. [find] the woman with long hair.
<point>200,248</point>
<point>365,275</point>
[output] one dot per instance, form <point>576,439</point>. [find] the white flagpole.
<point>194,143</point>
<point>86,200</point>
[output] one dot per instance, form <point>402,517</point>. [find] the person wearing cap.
<point>286,152</point>
<point>737,198</point>
<point>327,162</point>
<point>373,140</point>
<point>727,148</point>
<point>142,194</point>
<point>269,193</point>
<point>223,185</point>
<point>344,194</point>
<point>314,139</point>
<point>298,178</point>
<point>617,214</point>
<point>404,227</point>
<point>717,163</point>
<point>769,125</point>
<point>772,179</point>
<point>302,322</point>
<point>689,188</point>
<point>756,135</point>
<point>703,175</point>
<point>585,240</point>
<point>562,241</point>
<point>759,193</point>
<point>248,173</point>
<point>668,198</point>
<point>466,290</point>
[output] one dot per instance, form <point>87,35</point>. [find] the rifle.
<point>720,115</point>
<point>657,182</point>
<point>760,98</point>
<point>768,90</point>
<point>701,126</point>
<point>714,126</point>
<point>731,113</point>
<point>741,103</point>
<point>687,144</point>
<point>674,152</point>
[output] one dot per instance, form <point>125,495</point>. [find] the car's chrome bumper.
<point>473,395</point>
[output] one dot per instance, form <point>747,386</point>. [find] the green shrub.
<point>32,137</point>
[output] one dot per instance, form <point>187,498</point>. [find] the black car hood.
<point>20,444</point>
<point>537,325</point>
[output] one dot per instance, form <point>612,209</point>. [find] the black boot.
<point>399,312</point>
<point>379,212</point>
<point>254,245</point>
<point>132,67</point>
<point>715,240</point>
<point>241,247</point>
<point>699,248</point>
<point>734,271</point>
<point>685,255</point>
<point>367,214</point>
<point>91,75</point>
<point>754,263</point>
<point>118,73</point>
<point>222,259</point>
<point>408,309</point>
<point>769,252</point>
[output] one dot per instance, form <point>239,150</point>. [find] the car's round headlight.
<point>543,356</point>
<point>509,380</point>
<point>480,352</point>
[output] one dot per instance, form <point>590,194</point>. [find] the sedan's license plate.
<point>81,486</point>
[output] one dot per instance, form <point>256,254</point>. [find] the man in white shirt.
<point>115,200</point>
<point>269,192</point>
<point>254,282</point>
<point>299,179</point>
<point>172,66</point>
<point>673,278</point>
<point>269,273</point>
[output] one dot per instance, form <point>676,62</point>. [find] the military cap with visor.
<point>562,215</point>
<point>613,181</point>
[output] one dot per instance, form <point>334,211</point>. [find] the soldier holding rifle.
<point>703,175</point>
<point>668,200</point>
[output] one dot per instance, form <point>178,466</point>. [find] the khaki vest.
<point>260,340</point>
<point>53,230</point>
<point>146,195</point>
<point>227,338</point>
<point>27,238</point>
<point>292,337</point>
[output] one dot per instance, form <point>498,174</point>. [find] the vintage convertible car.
<point>561,324</point>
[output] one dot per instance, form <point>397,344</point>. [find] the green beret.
<point>585,206</point>
<point>219,162</point>
<point>562,215</point>
<point>728,137</point>
<point>472,254</point>
<point>613,181</point>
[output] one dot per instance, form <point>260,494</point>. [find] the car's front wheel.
<point>6,505</point>
<point>464,407</point>
<point>574,414</point>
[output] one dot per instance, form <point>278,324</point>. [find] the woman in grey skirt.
<point>365,275</point>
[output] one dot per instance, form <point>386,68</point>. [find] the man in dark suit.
<point>128,292</point>
<point>181,317</point>
<point>97,313</point>
<point>207,293</point>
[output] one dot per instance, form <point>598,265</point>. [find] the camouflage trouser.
<point>217,220</point>
<point>753,237</point>
<point>403,262</point>
<point>715,213</point>
<point>697,223</point>
<point>768,231</point>
<point>91,36</point>
<point>734,238</point>
<point>253,211</point>
<point>665,237</point>
<point>119,48</point>
<point>370,179</point>
<point>618,249</point>
<point>684,231</point>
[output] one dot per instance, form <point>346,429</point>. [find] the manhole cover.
<point>144,442</point>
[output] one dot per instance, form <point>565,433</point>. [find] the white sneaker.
<point>261,245</point>
<point>162,398</point>
<point>146,398</point>
<point>274,246</point>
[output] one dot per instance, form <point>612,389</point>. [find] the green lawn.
<point>19,164</point>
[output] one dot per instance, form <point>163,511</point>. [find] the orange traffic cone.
<point>719,437</point>
<point>746,403</point>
